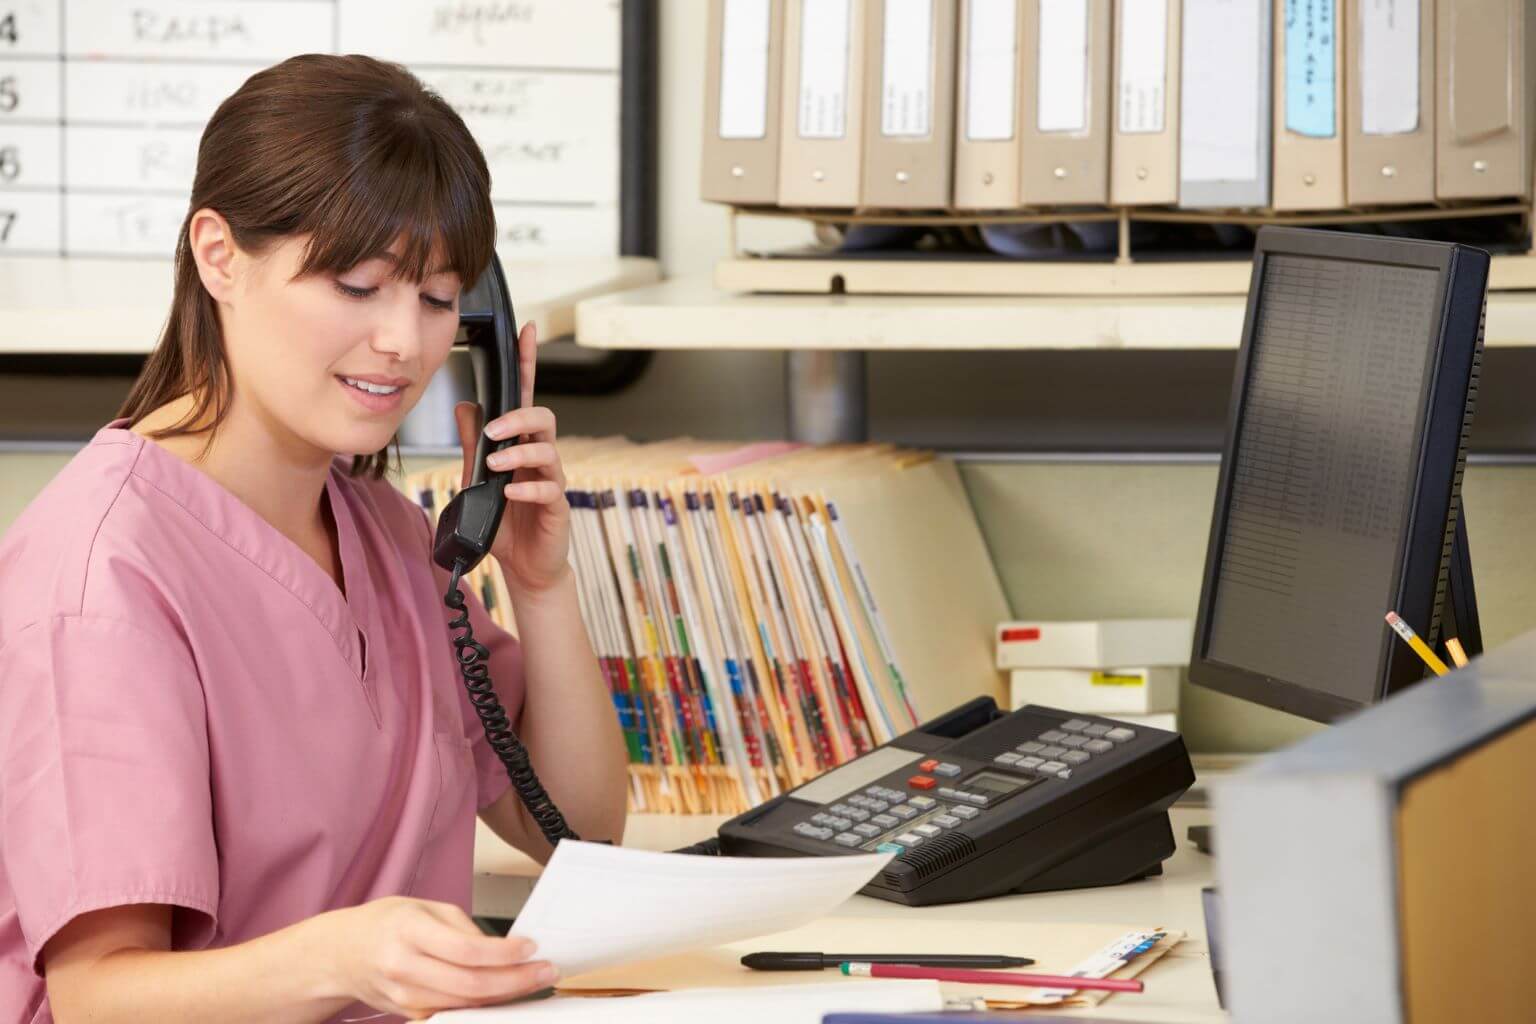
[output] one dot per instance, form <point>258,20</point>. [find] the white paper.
<point>1143,65</point>
<point>1061,95</point>
<point>992,60</point>
<point>776,1004</point>
<point>595,906</point>
<point>823,100</point>
<point>1219,119</point>
<point>1389,66</point>
<point>744,31</point>
<point>906,80</point>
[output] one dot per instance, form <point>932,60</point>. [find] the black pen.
<point>822,961</point>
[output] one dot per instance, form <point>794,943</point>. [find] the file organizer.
<point>752,608</point>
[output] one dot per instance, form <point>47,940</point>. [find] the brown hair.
<point>352,151</point>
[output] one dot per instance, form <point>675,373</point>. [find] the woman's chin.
<point>361,439</point>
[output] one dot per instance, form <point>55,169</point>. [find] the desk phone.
<point>981,802</point>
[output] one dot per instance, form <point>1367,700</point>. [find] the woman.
<point>238,772</point>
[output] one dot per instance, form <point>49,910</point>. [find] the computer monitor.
<point>1339,497</point>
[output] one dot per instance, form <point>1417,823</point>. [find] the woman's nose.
<point>399,334</point>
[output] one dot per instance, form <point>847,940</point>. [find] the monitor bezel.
<point>1420,568</point>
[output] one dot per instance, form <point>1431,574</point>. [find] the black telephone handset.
<point>468,524</point>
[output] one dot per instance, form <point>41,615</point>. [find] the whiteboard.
<point>102,104</point>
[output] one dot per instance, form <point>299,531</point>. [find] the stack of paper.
<point>598,906</point>
<point>784,1004</point>
<point>1061,948</point>
<point>754,608</point>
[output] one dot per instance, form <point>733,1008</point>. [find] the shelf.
<point>686,313</point>
<point>1002,278</point>
<point>100,306</point>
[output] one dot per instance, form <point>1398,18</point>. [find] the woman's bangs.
<point>406,201</point>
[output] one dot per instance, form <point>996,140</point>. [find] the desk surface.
<point>1179,988</point>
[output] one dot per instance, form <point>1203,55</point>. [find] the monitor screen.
<point>1322,474</point>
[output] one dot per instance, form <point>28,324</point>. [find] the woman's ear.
<point>213,249</point>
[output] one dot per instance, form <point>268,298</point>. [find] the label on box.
<point>1117,679</point>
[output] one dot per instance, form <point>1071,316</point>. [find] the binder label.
<point>1061,95</point>
<point>991,60</point>
<point>1143,65</point>
<point>906,70</point>
<point>1310,37</point>
<point>744,30</point>
<point>824,36</point>
<point>1389,66</point>
<point>1220,121</point>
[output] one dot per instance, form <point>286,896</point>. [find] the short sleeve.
<point>104,777</point>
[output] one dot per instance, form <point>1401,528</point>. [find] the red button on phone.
<point>929,765</point>
<point>921,782</point>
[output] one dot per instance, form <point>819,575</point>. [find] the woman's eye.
<point>356,293</point>
<point>437,303</point>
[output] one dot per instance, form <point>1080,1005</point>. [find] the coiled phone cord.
<point>471,655</point>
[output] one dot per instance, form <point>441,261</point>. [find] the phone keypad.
<point>892,820</point>
<point>1056,752</point>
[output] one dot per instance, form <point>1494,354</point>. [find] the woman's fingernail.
<point>522,948</point>
<point>498,460</point>
<point>496,430</point>
<point>548,974</point>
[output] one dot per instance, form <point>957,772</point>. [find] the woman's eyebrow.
<point>389,257</point>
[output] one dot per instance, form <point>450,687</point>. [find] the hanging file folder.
<point>909,104</point>
<point>1144,145</point>
<point>1389,147</point>
<point>1224,113</point>
<point>741,105</point>
<point>987,123</point>
<point>1065,95</point>
<point>823,114</point>
<point>1309,92</point>
<point>1483,98</point>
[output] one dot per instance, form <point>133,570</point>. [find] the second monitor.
<point>1339,497</point>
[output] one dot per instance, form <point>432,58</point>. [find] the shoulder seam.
<point>90,549</point>
<point>190,662</point>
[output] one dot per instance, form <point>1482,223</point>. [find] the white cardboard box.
<point>1108,643</point>
<point>1101,691</point>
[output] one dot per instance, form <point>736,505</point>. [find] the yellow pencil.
<point>1458,655</point>
<point>1419,646</point>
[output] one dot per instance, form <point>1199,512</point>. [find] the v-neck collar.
<point>239,526</point>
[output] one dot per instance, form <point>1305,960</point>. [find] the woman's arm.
<point>115,964</point>
<point>568,725</point>
<point>403,956</point>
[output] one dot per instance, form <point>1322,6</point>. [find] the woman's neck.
<point>280,476</point>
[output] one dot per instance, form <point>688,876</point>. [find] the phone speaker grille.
<point>935,855</point>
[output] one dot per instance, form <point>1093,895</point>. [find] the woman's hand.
<point>415,957</point>
<point>533,542</point>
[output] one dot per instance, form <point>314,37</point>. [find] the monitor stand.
<point>1458,618</point>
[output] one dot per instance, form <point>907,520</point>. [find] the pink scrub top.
<point>192,713</point>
